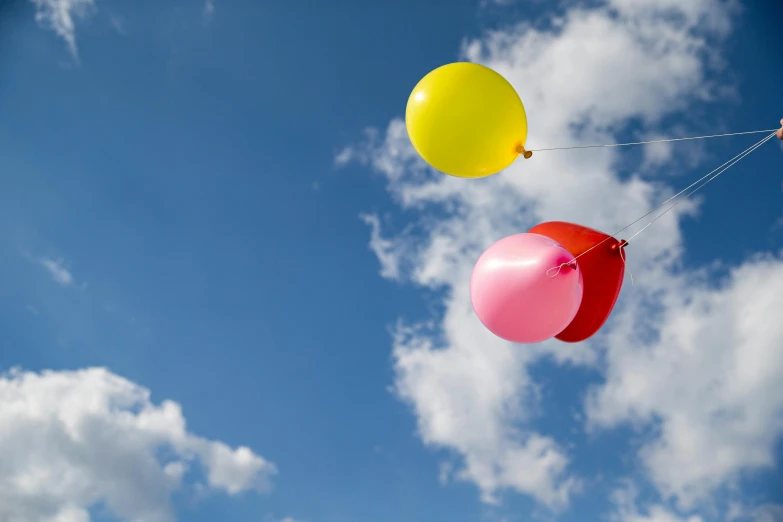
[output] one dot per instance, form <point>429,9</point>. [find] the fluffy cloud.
<point>710,378</point>
<point>72,440</point>
<point>698,359</point>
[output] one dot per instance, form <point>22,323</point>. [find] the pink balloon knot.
<point>562,266</point>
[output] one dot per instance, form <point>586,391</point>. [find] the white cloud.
<point>657,154</point>
<point>384,249</point>
<point>711,379</point>
<point>595,71</point>
<point>467,401</point>
<point>627,510</point>
<point>768,513</point>
<point>71,440</point>
<point>59,273</point>
<point>344,157</point>
<point>61,16</point>
<point>763,513</point>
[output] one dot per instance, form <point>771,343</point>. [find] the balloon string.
<point>653,141</point>
<point>622,256</point>
<point>728,164</point>
<point>756,146</point>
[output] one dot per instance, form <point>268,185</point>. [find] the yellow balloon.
<point>466,120</point>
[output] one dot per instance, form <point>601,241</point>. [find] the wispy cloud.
<point>383,248</point>
<point>60,16</point>
<point>59,273</point>
<point>209,10</point>
<point>56,268</point>
<point>118,24</point>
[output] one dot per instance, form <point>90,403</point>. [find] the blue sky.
<point>186,200</point>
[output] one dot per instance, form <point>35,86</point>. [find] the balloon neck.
<point>620,245</point>
<point>555,270</point>
<point>527,154</point>
<point>571,265</point>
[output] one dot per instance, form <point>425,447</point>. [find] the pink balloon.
<point>515,297</point>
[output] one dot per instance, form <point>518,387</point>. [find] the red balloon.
<point>602,269</point>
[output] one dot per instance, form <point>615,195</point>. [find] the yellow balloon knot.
<point>527,154</point>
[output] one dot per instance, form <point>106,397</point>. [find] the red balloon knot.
<point>621,244</point>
